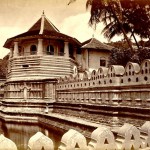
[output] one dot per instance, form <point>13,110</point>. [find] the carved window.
<point>50,50</point>
<point>33,50</point>
<point>61,53</point>
<point>102,62</point>
<point>146,64</point>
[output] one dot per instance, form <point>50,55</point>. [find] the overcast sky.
<point>17,16</point>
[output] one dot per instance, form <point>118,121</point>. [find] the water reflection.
<point>21,133</point>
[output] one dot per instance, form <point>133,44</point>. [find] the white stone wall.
<point>28,91</point>
<point>116,85</point>
<point>94,58</point>
<point>40,67</point>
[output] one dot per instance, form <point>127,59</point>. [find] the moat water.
<point>21,133</point>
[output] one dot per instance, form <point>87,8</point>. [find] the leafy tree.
<point>119,44</point>
<point>121,17</point>
<point>140,55</point>
<point>108,10</point>
<point>120,57</point>
<point>3,66</point>
<point>135,19</point>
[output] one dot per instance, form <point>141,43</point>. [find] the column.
<point>75,52</point>
<point>56,52</point>
<point>66,49</point>
<point>16,51</point>
<point>40,47</point>
<point>11,52</point>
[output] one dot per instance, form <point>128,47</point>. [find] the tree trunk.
<point>135,39</point>
<point>123,31</point>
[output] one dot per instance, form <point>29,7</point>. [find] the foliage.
<point>122,17</point>
<point>3,66</point>
<point>141,54</point>
<point>122,57</point>
<point>135,20</point>
<point>119,44</point>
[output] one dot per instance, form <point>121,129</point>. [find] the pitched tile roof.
<point>43,27</point>
<point>95,44</point>
<point>43,24</point>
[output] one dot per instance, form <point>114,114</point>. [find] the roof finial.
<point>43,13</point>
<point>93,35</point>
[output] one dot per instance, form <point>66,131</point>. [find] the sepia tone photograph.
<point>75,75</point>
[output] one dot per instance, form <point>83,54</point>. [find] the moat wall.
<point>127,137</point>
<point>115,90</point>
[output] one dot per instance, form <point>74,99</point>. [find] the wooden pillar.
<point>16,50</point>
<point>66,49</point>
<point>40,47</point>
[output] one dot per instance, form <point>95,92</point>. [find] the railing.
<point>44,53</point>
<point>127,137</point>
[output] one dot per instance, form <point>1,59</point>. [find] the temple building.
<point>42,52</point>
<point>95,54</point>
<point>39,57</point>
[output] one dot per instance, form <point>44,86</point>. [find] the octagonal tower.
<point>37,58</point>
<point>41,53</point>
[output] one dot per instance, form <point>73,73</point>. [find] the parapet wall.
<point>114,85</point>
<point>127,137</point>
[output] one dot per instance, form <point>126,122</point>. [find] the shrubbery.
<point>122,57</point>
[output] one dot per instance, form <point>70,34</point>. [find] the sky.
<point>17,16</point>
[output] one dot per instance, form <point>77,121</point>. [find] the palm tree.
<point>121,17</point>
<point>112,28</point>
<point>136,20</point>
<point>108,9</point>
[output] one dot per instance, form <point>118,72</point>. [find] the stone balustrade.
<point>128,85</point>
<point>127,137</point>
<point>115,75</point>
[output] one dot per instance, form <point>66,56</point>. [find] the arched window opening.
<point>145,78</point>
<point>145,64</point>
<point>146,71</point>
<point>103,62</point>
<point>50,50</point>
<point>33,50</point>
<point>132,72</point>
<point>61,53</point>
<point>121,80</point>
<point>71,51</point>
<point>21,51</point>
<point>129,66</point>
<point>129,80</point>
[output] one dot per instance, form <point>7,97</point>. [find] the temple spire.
<point>42,23</point>
<point>93,35</point>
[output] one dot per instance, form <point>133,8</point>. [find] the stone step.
<point>40,74</point>
<point>41,63</point>
<point>43,70</point>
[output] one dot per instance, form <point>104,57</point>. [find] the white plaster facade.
<point>92,58</point>
<point>94,54</point>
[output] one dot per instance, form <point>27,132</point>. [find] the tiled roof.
<point>43,27</point>
<point>44,23</point>
<point>95,44</point>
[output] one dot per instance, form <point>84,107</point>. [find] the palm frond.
<point>71,1</point>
